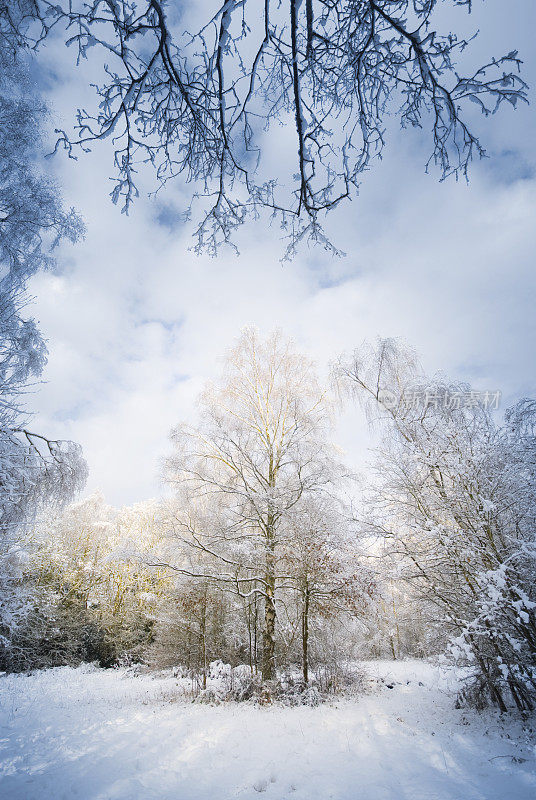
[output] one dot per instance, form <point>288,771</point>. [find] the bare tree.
<point>32,220</point>
<point>34,469</point>
<point>455,497</point>
<point>261,445</point>
<point>323,558</point>
<point>195,95</point>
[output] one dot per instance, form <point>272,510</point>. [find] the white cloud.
<point>136,322</point>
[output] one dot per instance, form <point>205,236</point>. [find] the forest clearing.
<point>95,734</point>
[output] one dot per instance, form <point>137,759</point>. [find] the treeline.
<point>257,558</point>
<point>82,590</point>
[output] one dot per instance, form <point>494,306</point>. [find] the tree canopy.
<point>197,92</point>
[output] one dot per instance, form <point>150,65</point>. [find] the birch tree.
<point>261,444</point>
<point>455,496</point>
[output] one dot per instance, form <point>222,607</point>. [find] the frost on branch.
<point>197,97</point>
<point>455,504</point>
<point>34,469</point>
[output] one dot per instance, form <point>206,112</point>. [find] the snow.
<point>98,734</point>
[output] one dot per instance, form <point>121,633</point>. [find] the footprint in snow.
<point>262,784</point>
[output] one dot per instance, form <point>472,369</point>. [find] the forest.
<point>268,552</point>
<point>267,400</point>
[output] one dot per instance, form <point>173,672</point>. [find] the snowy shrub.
<point>495,645</point>
<point>208,697</point>
<point>179,671</point>
<point>310,697</point>
<point>243,684</point>
<point>338,677</point>
<point>219,671</point>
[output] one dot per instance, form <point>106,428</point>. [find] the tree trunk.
<point>268,636</point>
<point>250,636</point>
<point>256,634</point>
<point>204,639</point>
<point>305,637</point>
<point>397,629</point>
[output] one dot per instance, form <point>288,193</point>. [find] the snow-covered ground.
<point>107,735</point>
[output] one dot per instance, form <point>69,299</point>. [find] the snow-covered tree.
<point>32,222</point>
<point>455,497</point>
<point>325,566</point>
<point>194,89</point>
<point>83,593</point>
<point>34,469</point>
<point>261,445</point>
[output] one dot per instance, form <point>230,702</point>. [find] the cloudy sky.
<point>136,322</point>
